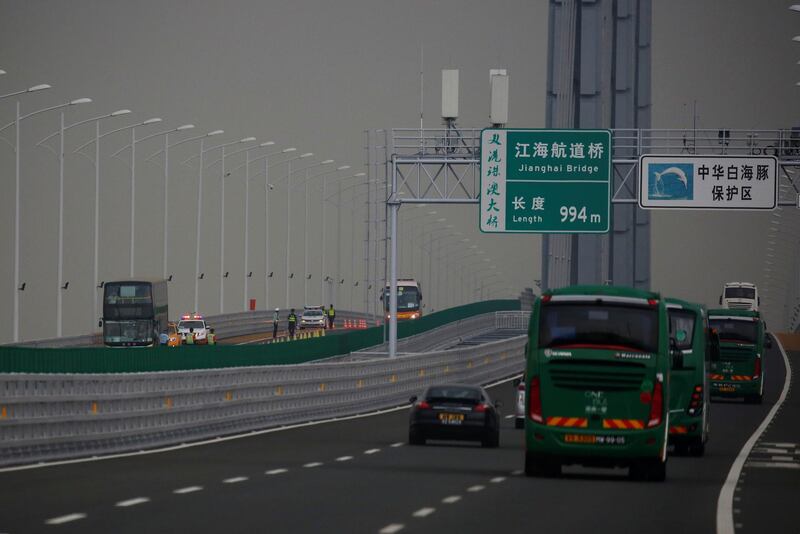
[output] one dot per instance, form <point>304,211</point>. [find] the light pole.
<point>61,286</point>
<point>305,229</point>
<point>133,189</point>
<point>96,232</point>
<point>289,215</point>
<point>19,118</point>
<point>322,275</point>
<point>165,133</point>
<point>246,221</point>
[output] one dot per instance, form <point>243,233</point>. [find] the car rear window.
<point>455,393</point>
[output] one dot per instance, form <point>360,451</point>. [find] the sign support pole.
<point>394,208</point>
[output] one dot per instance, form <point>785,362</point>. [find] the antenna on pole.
<point>421,95</point>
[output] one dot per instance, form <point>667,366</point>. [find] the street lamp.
<point>165,133</point>
<point>288,216</point>
<point>305,230</point>
<point>60,286</point>
<point>133,188</point>
<point>96,163</point>
<point>19,118</point>
<point>322,275</point>
<point>28,90</point>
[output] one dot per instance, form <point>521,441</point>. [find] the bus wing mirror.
<point>100,323</point>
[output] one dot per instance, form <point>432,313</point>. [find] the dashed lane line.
<point>398,444</point>
<point>344,458</point>
<point>424,512</point>
<point>372,451</point>
<point>188,489</point>
<point>476,488</point>
<point>234,480</point>
<point>452,499</point>
<point>64,519</point>
<point>310,465</point>
<point>391,529</point>
<point>509,416</point>
<point>497,480</point>
<point>517,472</point>
<point>278,471</point>
<point>132,502</point>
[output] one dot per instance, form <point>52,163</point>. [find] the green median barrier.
<point>15,359</point>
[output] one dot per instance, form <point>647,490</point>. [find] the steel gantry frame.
<point>442,166</point>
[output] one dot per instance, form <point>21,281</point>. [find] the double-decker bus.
<point>134,312</point>
<point>409,299</point>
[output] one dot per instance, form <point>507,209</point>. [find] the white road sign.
<point>708,182</point>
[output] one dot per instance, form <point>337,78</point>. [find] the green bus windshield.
<point>602,326</point>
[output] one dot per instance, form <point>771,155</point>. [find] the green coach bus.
<point>740,369</point>
<point>598,365</point>
<point>689,397</point>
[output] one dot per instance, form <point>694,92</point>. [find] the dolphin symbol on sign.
<point>672,170</point>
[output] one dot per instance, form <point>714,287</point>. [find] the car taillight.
<point>757,370</point>
<point>657,405</point>
<point>535,403</point>
<point>696,401</point>
<point>422,405</point>
<point>481,408</point>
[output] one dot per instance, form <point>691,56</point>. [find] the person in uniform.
<point>275,322</point>
<point>292,323</point>
<point>331,316</point>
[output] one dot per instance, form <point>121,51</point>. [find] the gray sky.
<point>314,74</point>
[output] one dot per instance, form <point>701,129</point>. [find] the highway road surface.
<point>360,475</point>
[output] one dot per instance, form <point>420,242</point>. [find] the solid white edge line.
<point>220,439</point>
<point>64,519</point>
<point>725,524</point>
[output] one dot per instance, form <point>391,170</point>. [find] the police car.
<point>312,317</point>
<point>195,324</point>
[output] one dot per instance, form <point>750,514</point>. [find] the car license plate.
<point>451,418</point>
<point>580,438</point>
<point>727,389</point>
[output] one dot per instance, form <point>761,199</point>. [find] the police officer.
<point>190,337</point>
<point>212,337</point>
<point>292,323</point>
<point>275,321</point>
<point>331,316</point>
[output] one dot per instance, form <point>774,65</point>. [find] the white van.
<point>740,296</point>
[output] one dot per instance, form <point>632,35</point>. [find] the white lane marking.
<point>372,451</point>
<point>476,488</point>
<point>768,450</point>
<point>452,499</point>
<point>313,464</point>
<point>770,464</point>
<point>40,465</point>
<point>398,444</point>
<point>424,512</point>
<point>517,472</point>
<point>783,458</point>
<point>188,489</point>
<point>132,502</point>
<point>64,519</point>
<point>509,416</point>
<point>725,523</point>
<point>278,471</point>
<point>391,529</point>
<point>234,480</point>
<point>344,458</point>
<point>497,480</point>
<point>781,445</point>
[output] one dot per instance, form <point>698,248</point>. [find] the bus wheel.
<point>539,467</point>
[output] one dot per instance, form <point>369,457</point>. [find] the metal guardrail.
<point>46,417</point>
<point>512,320</point>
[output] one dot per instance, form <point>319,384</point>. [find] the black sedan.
<point>454,411</point>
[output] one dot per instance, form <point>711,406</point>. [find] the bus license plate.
<point>727,389</point>
<point>451,418</point>
<point>580,438</point>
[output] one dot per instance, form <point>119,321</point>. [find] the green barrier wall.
<point>107,360</point>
